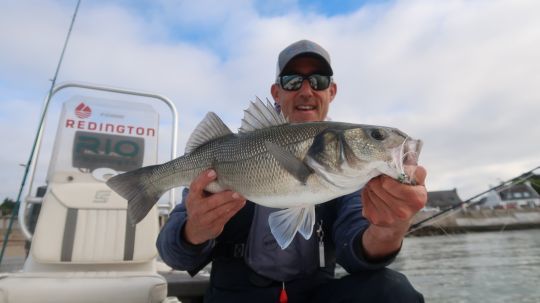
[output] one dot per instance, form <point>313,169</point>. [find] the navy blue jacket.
<point>343,220</point>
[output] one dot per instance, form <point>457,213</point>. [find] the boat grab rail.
<point>35,155</point>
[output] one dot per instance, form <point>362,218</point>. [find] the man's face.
<point>305,104</point>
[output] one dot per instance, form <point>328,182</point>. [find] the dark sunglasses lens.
<point>291,82</point>
<point>319,82</point>
<point>294,82</point>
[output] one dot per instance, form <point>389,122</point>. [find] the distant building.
<point>515,196</point>
<point>443,199</point>
<point>535,182</point>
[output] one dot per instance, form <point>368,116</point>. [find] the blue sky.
<point>460,75</point>
<point>325,8</point>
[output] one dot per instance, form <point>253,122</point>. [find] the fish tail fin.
<point>285,223</point>
<point>137,188</point>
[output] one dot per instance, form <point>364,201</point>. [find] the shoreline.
<point>478,220</point>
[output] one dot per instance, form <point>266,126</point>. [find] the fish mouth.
<point>405,159</point>
<point>411,151</point>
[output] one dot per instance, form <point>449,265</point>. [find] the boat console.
<point>84,249</point>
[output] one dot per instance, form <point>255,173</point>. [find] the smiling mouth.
<point>305,107</point>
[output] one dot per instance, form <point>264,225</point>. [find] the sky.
<point>462,76</point>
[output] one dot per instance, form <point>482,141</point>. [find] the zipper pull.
<point>283,295</point>
<point>320,236</point>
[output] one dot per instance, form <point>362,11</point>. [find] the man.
<point>362,231</point>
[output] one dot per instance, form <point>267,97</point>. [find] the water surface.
<point>475,267</point>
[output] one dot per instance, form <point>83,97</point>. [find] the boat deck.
<point>179,284</point>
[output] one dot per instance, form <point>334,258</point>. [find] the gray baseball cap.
<point>303,48</point>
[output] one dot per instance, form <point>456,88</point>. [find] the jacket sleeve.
<point>348,230</point>
<point>174,250</point>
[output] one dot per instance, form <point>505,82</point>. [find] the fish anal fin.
<point>297,168</point>
<point>285,223</point>
<point>306,225</point>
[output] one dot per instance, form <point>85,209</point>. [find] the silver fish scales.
<point>274,163</point>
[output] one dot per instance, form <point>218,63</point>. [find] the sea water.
<point>501,266</point>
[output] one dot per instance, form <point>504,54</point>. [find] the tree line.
<point>7,206</point>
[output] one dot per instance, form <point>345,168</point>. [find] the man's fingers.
<point>402,199</point>
<point>375,208</point>
<point>211,208</point>
<point>405,193</point>
<point>383,188</point>
<point>389,201</point>
<point>198,185</point>
<point>420,174</point>
<point>208,213</point>
<point>218,199</point>
<point>211,223</point>
<point>225,212</point>
<point>204,205</point>
<point>211,211</point>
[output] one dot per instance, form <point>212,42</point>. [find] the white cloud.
<point>461,75</point>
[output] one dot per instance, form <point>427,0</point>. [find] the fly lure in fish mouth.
<point>407,156</point>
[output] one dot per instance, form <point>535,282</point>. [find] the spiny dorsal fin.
<point>210,128</point>
<point>258,116</point>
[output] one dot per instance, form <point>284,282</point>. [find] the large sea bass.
<point>276,164</point>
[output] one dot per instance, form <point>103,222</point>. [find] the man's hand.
<point>208,213</point>
<point>390,206</point>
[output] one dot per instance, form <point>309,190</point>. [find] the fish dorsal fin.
<point>260,115</point>
<point>210,128</point>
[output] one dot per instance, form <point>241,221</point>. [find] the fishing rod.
<point>469,202</point>
<point>38,136</point>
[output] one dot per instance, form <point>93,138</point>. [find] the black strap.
<point>129,241</point>
<point>69,235</point>
<point>229,250</point>
<point>68,239</point>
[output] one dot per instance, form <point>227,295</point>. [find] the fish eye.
<point>378,134</point>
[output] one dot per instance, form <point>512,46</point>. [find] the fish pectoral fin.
<point>285,223</point>
<point>296,167</point>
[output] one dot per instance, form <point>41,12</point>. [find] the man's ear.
<point>274,90</point>
<point>333,91</point>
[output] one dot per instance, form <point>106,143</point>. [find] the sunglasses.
<point>294,82</point>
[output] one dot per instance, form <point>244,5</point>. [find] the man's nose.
<point>306,87</point>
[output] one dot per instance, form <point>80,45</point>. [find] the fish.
<point>275,163</point>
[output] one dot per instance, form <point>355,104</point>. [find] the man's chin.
<point>305,116</point>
